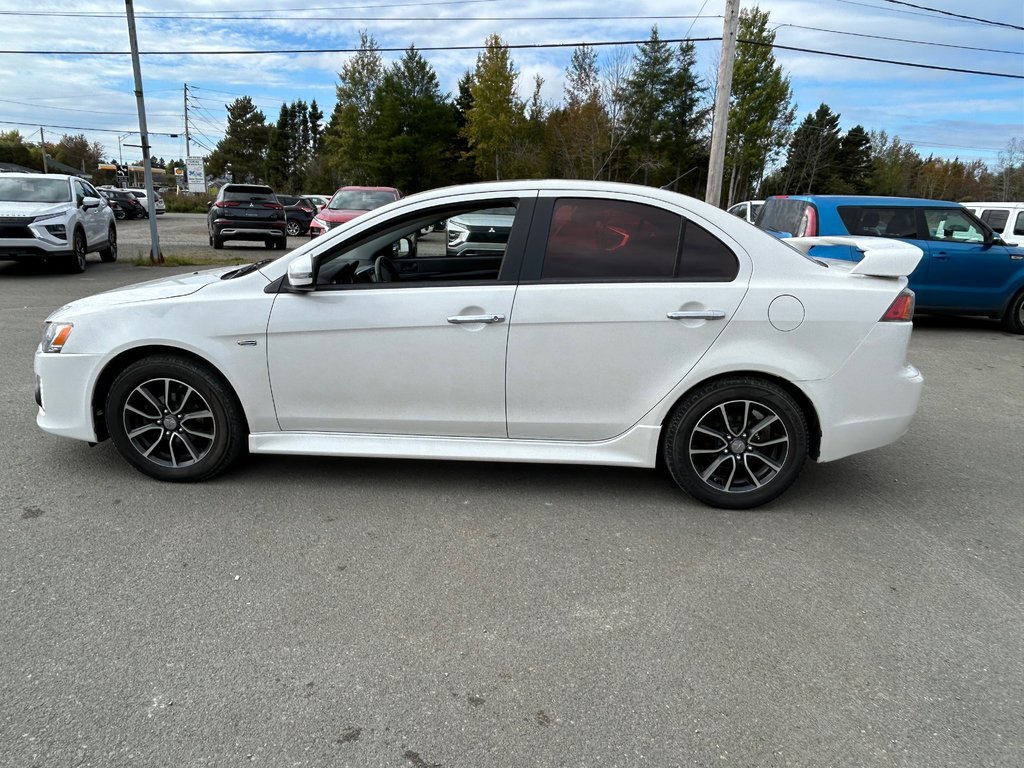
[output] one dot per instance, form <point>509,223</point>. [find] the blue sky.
<point>948,114</point>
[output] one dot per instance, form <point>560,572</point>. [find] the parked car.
<point>54,218</point>
<point>620,325</point>
<point>247,212</point>
<point>319,200</point>
<point>967,268</point>
<point>126,202</point>
<point>299,211</point>
<point>349,202</point>
<point>747,210</point>
<point>1006,219</point>
<point>481,232</point>
<point>159,206</point>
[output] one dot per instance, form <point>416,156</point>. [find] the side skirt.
<point>637,447</point>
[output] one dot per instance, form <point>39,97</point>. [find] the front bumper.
<point>64,386</point>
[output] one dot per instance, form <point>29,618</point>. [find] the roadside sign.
<point>196,174</point>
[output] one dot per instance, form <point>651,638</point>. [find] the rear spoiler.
<point>883,257</point>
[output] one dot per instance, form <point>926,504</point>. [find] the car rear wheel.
<point>1013,320</point>
<point>293,229</point>
<point>109,253</point>
<point>174,419</point>
<point>736,443</point>
<point>216,241</point>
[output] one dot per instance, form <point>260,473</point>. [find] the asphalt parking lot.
<point>333,612</point>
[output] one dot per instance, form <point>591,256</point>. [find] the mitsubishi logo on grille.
<point>490,231</point>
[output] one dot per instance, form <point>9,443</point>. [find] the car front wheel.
<point>174,419</point>
<point>76,261</point>
<point>293,229</point>
<point>736,443</point>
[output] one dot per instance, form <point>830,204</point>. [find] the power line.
<point>965,20</point>
<point>199,14</point>
<point>523,46</point>
<point>901,40</point>
<point>955,15</point>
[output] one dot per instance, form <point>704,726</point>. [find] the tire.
<point>1013,320</point>
<point>713,455</point>
<point>293,228</point>
<point>75,263</point>
<point>109,253</point>
<point>120,215</point>
<point>174,419</point>
<point>216,241</point>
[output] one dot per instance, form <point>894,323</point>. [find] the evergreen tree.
<point>686,117</point>
<point>244,146</point>
<point>853,167</point>
<point>579,132</point>
<point>645,107</point>
<point>354,116</point>
<point>760,112</point>
<point>497,110</point>
<point>813,153</point>
<point>894,166</point>
<point>411,144</point>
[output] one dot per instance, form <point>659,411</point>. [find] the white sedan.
<point>618,325</point>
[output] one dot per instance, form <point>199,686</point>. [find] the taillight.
<point>902,309</point>
<point>273,206</point>
<point>226,204</point>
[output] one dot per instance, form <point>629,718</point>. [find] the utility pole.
<point>720,126</point>
<point>42,145</point>
<point>188,148</point>
<point>155,255</point>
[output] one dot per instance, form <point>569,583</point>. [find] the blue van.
<point>967,269</point>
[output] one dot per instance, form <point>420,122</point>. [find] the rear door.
<point>618,301</point>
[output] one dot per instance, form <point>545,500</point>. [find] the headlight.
<point>55,336</point>
<point>457,234</point>
<point>48,216</point>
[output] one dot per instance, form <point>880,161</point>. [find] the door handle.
<point>697,314</point>
<point>467,319</point>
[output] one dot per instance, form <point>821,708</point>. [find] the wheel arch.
<point>119,363</point>
<point>802,400</point>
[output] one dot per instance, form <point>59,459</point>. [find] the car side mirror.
<point>90,202</point>
<point>404,247</point>
<point>300,273</point>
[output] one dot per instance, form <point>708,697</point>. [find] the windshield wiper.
<point>245,270</point>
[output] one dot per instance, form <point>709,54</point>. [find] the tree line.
<point>640,115</point>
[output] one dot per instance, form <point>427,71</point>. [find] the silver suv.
<point>54,218</point>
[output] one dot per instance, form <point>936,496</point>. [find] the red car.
<point>349,202</point>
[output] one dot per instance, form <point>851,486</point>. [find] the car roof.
<point>23,175</point>
<point>899,202</point>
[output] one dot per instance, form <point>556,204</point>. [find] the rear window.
<point>250,193</point>
<point>789,215</point>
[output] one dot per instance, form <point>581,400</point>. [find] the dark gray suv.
<point>247,212</point>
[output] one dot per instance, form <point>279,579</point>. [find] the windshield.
<point>22,190</point>
<point>360,199</point>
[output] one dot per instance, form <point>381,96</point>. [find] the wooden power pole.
<point>720,126</point>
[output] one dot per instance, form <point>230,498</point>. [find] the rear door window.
<point>593,239</point>
<point>879,221</point>
<point>995,218</point>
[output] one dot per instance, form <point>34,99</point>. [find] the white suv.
<point>54,218</point>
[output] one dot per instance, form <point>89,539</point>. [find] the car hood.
<point>8,208</point>
<point>339,216</point>
<point>151,290</point>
